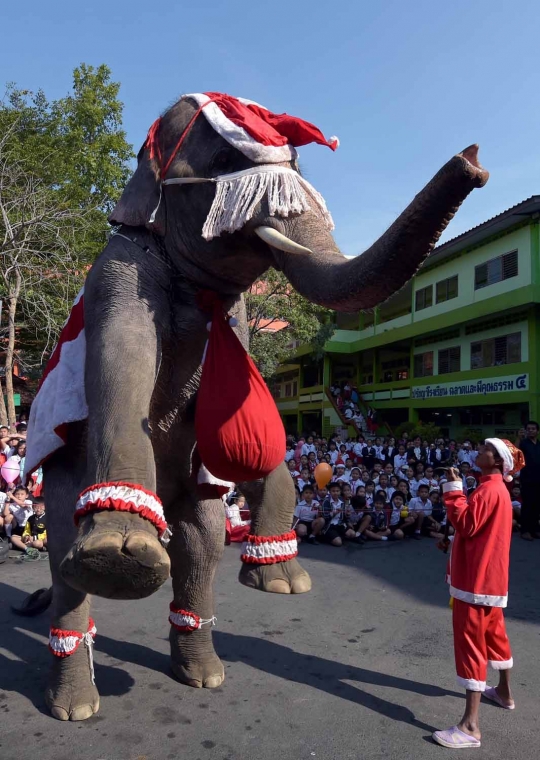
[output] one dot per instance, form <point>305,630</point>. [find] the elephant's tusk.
<point>280,241</point>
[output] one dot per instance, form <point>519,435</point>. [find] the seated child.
<point>355,479</point>
<point>291,466</point>
<point>232,511</point>
<point>400,520</point>
<point>378,529</point>
<point>35,531</point>
<point>304,479</point>
<point>17,510</point>
<point>438,526</point>
<point>332,511</point>
<point>357,519</point>
<point>308,521</point>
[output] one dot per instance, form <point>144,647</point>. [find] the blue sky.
<point>404,85</point>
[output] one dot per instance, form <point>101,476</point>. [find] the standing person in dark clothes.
<point>530,481</point>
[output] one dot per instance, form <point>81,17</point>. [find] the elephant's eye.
<point>222,161</point>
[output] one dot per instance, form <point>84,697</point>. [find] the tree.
<point>272,301</point>
<point>63,165</point>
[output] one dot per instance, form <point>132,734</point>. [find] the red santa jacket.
<point>478,565</point>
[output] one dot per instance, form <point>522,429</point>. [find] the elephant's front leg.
<point>195,549</point>
<point>271,503</point>
<point>117,552</point>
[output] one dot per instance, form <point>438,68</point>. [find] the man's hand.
<point>453,474</point>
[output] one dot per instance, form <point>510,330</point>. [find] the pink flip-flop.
<point>491,694</point>
<point>454,738</point>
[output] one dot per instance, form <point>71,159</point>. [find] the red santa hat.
<point>513,458</point>
<point>262,136</point>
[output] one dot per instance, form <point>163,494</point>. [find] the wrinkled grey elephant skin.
<point>145,338</point>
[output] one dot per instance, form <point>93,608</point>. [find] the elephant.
<point>145,336</point>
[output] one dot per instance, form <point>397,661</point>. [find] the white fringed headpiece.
<point>238,195</point>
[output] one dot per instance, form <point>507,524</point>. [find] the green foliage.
<point>426,430</point>
<point>475,435</point>
<point>76,146</point>
<point>63,165</point>
<point>273,300</point>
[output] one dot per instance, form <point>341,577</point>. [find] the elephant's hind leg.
<point>71,693</point>
<point>195,548</point>
<point>271,503</point>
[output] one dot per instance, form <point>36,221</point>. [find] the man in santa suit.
<point>478,578</point>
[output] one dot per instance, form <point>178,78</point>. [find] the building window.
<point>423,364</point>
<point>449,360</point>
<point>424,298</point>
<point>446,289</point>
<point>495,270</point>
<point>495,352</point>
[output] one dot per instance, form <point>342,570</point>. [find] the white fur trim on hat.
<point>238,137</point>
<point>506,455</point>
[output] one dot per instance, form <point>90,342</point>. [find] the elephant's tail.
<point>34,603</point>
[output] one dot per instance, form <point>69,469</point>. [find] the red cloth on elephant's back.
<point>240,435</point>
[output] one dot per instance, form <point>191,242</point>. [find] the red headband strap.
<point>153,145</point>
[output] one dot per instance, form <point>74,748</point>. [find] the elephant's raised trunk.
<point>327,278</point>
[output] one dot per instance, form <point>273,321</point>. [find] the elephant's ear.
<point>141,197</point>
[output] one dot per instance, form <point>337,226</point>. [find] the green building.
<point>458,346</point>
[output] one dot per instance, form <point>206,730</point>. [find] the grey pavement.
<point>362,667</point>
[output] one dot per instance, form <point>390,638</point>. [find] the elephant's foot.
<point>116,555</point>
<point>280,578</point>
<point>71,695</point>
<point>194,660</point>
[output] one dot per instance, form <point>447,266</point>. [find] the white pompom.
<point>208,326</point>
<point>233,321</point>
<point>334,139</point>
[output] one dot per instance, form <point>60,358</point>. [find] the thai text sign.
<point>472,387</point>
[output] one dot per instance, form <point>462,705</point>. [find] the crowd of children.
<point>380,490</point>
<point>22,508</point>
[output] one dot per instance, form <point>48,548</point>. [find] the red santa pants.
<point>479,637</point>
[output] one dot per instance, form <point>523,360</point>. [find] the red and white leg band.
<point>186,621</point>
<point>63,643</point>
<point>124,497</point>
<point>268,550</point>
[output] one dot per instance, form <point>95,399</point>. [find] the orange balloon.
<point>323,474</point>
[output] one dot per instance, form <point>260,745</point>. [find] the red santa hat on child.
<point>262,136</point>
<point>513,458</point>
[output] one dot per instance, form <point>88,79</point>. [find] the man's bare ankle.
<point>469,727</point>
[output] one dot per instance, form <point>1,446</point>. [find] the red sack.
<point>240,435</point>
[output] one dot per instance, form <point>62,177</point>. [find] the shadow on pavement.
<point>24,667</point>
<point>418,568</point>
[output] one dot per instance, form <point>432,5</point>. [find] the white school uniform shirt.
<point>21,514</point>
<point>413,487</point>
<point>400,461</point>
<point>357,448</point>
<point>232,512</point>
<point>294,474</point>
<point>379,452</point>
<point>333,456</point>
<point>429,482</point>
<point>417,505</point>
<point>336,505</point>
<point>289,454</point>
<point>467,456</point>
<point>301,483</point>
<point>355,484</point>
<point>307,448</point>
<point>395,515</point>
<point>307,512</point>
